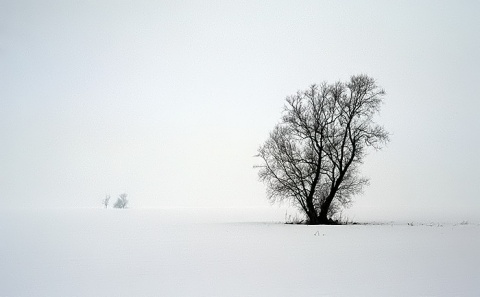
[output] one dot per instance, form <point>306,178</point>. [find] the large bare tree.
<point>312,156</point>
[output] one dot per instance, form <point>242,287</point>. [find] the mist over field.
<point>169,102</point>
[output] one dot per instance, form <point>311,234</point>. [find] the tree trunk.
<point>313,219</point>
<point>322,217</point>
<point>312,214</point>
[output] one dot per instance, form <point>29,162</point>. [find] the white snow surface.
<point>133,252</point>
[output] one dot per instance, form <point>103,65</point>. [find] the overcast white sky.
<point>169,100</point>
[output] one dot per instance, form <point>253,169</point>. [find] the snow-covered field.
<point>98,252</point>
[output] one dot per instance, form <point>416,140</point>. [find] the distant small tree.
<point>106,201</point>
<point>121,201</point>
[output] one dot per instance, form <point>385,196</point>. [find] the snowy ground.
<point>183,253</point>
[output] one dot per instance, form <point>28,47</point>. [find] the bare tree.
<point>106,201</point>
<point>312,156</point>
<point>121,201</point>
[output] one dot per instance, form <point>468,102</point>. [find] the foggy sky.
<point>168,101</point>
